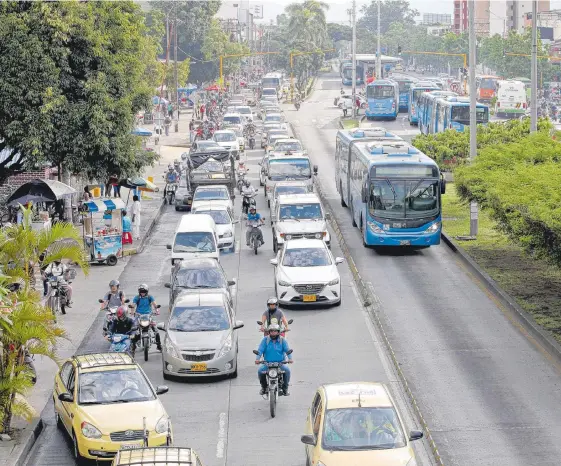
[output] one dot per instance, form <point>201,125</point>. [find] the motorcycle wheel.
<point>273,402</point>
<point>255,245</point>
<point>145,345</point>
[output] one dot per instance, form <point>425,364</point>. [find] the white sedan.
<point>306,273</point>
<point>224,219</point>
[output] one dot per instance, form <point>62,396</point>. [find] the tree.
<point>84,84</point>
<point>391,11</point>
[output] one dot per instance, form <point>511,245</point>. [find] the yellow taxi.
<point>158,456</point>
<point>356,423</point>
<point>106,403</point>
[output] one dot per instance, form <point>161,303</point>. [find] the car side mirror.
<point>231,282</point>
<point>274,262</point>
<point>308,440</point>
<point>239,324</point>
<point>161,389</point>
<point>66,397</point>
<point>415,435</point>
<point>168,246</point>
<point>167,284</point>
<point>339,260</point>
<point>315,169</point>
<point>161,326</point>
<point>290,321</point>
<point>327,216</point>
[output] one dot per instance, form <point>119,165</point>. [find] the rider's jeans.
<point>68,291</point>
<point>248,234</point>
<point>262,371</point>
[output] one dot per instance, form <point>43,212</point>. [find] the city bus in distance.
<point>415,93</point>
<point>427,108</point>
<point>394,193</point>
<point>272,80</point>
<point>347,74</point>
<point>343,143</point>
<point>453,113</point>
<point>511,99</point>
<point>404,84</point>
<point>383,99</point>
<point>486,87</point>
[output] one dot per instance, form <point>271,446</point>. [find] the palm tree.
<point>307,22</point>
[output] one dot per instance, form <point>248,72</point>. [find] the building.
<point>549,25</point>
<point>439,29</point>
<point>436,18</point>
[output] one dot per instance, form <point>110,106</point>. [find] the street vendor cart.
<point>103,230</point>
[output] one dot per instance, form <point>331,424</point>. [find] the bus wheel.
<point>353,214</point>
<point>343,203</point>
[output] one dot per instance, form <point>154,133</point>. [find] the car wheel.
<point>176,209</point>
<point>167,376</point>
<point>275,244</point>
<point>57,418</point>
<point>77,457</point>
<point>234,375</point>
<point>337,304</point>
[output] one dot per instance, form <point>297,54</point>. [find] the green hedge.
<point>519,183</point>
<point>450,148</point>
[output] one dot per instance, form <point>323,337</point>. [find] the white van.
<point>195,236</point>
<point>511,99</point>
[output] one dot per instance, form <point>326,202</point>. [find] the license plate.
<point>217,175</point>
<point>405,243</point>
<point>309,298</point>
<point>130,446</point>
<point>198,367</point>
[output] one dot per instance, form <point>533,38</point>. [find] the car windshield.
<point>306,257</point>
<point>115,386</point>
<point>244,110</point>
<point>362,429</point>
<point>290,190</point>
<point>269,92</point>
<point>211,195</point>
<point>221,217</point>
<point>272,118</point>
<point>207,144</point>
<point>301,211</point>
<point>224,137</point>
<point>403,198</point>
<point>200,278</point>
<point>210,166</point>
<point>282,169</point>
<point>233,120</point>
<point>277,132</point>
<point>288,146</point>
<point>380,92</point>
<point>199,319</point>
<point>194,242</point>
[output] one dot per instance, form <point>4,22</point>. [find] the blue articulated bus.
<point>427,110</point>
<point>347,74</point>
<point>415,93</point>
<point>383,99</point>
<point>404,84</point>
<point>393,193</point>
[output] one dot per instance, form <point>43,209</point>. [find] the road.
<point>489,394</point>
<point>227,421</point>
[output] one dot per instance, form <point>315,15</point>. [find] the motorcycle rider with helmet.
<point>58,269</point>
<point>172,177</point>
<point>273,315</point>
<point>248,192</point>
<point>122,325</point>
<point>254,220</point>
<point>146,304</point>
<point>274,348</point>
<point>115,297</point>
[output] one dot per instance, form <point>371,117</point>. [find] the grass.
<point>349,123</point>
<point>535,284</point>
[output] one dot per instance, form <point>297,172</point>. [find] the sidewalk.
<point>179,139</point>
<point>85,309</point>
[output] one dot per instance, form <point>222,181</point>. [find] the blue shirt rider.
<point>254,220</point>
<point>273,348</point>
<point>146,304</point>
<point>171,178</point>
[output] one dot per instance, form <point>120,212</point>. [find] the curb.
<point>20,452</point>
<point>534,330</point>
<point>373,308</point>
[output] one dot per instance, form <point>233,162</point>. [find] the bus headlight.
<point>433,228</point>
<point>375,228</point>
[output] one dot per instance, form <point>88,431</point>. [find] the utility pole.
<point>474,214</point>
<point>176,74</point>
<point>534,91</point>
<point>354,59</point>
<point>379,49</point>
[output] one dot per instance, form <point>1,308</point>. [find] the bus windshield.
<point>348,72</point>
<point>285,168</point>
<point>380,92</point>
<point>270,82</point>
<point>488,83</point>
<point>394,198</point>
<point>417,93</point>
<point>404,86</point>
<point>460,114</point>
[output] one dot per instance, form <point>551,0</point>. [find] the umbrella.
<point>101,205</point>
<point>141,132</point>
<point>139,183</point>
<point>40,191</point>
<point>156,100</point>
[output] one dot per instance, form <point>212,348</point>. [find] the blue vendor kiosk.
<point>103,230</point>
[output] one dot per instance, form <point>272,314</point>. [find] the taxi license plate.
<point>130,446</point>
<point>307,298</point>
<point>405,243</point>
<point>217,176</point>
<point>198,367</point>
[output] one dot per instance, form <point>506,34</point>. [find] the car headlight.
<point>226,347</point>
<point>169,348</point>
<point>162,426</point>
<point>433,228</point>
<point>375,228</point>
<point>273,373</point>
<point>90,431</point>
<point>228,234</point>
<point>283,283</point>
<point>319,463</point>
<point>333,282</point>
<point>412,462</point>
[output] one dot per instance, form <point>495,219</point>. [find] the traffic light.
<point>399,50</point>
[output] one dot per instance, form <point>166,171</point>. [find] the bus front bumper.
<point>413,239</point>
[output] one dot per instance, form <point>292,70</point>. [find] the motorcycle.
<point>57,299</point>
<point>29,362</point>
<point>170,193</point>
<point>254,237</point>
<point>297,105</point>
<point>120,343</point>
<point>248,202</point>
<point>110,315</point>
<point>146,325</point>
<point>251,142</point>
<point>283,330</point>
<point>241,179</point>
<point>275,379</point>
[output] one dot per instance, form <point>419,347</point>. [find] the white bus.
<point>511,99</point>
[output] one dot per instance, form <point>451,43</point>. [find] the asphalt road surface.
<point>226,421</point>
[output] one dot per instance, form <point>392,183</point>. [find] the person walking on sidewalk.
<point>170,110</point>
<point>135,211</point>
<point>167,124</point>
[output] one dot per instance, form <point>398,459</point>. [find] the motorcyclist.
<point>273,315</point>
<point>146,304</point>
<point>171,178</point>
<point>58,269</point>
<point>274,348</point>
<point>122,325</point>
<point>115,297</point>
<point>248,192</point>
<point>254,220</point>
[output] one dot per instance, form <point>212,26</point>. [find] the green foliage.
<point>518,183</point>
<point>72,84</point>
<point>391,11</point>
<point>217,42</point>
<point>450,148</point>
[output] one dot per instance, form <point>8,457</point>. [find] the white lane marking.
<point>238,246</point>
<point>221,444</point>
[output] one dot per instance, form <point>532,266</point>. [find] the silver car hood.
<point>190,341</point>
<point>302,226</point>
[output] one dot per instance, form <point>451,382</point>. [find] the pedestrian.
<point>114,181</point>
<point>87,196</point>
<point>202,110</point>
<point>345,107</point>
<point>127,224</point>
<point>167,124</point>
<point>136,217</point>
<point>170,110</point>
